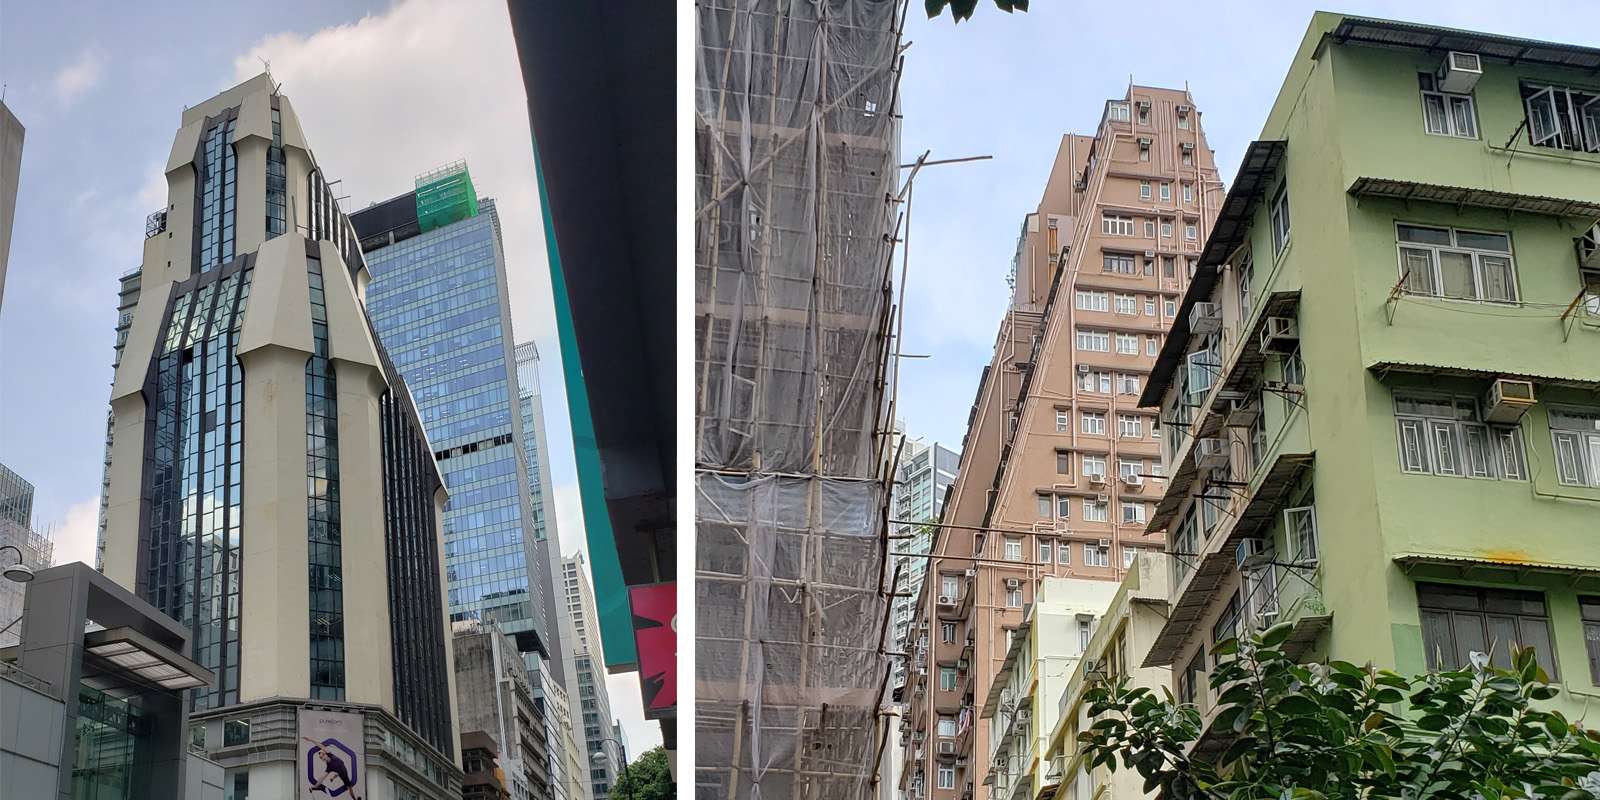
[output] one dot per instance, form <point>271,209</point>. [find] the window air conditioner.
<point>1083,369</point>
<point>946,600</point>
<point>1013,583</point>
<point>1459,72</point>
<point>1104,544</point>
<point>1280,335</point>
<point>1149,254</point>
<point>947,748</point>
<point>972,573</point>
<point>1144,141</point>
<point>1101,498</point>
<point>1211,453</point>
<point>1205,318</point>
<point>1508,400</point>
<point>1133,480</point>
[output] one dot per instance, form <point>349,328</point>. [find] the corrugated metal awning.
<point>1387,33</point>
<point>1382,368</point>
<point>1409,561</point>
<point>1477,198</point>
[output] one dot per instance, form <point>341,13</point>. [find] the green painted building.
<point>1380,402</point>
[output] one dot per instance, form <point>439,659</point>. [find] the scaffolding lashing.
<point>796,157</point>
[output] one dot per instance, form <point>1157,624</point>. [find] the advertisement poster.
<point>655,631</point>
<point>332,756</point>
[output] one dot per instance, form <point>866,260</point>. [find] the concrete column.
<point>367,639</point>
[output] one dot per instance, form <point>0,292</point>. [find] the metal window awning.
<point>1388,33</point>
<point>1477,198</point>
<point>1188,607</point>
<point>136,654</point>
<point>1245,366</point>
<point>1505,562</point>
<point>1382,368</point>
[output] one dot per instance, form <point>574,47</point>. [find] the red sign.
<point>655,633</point>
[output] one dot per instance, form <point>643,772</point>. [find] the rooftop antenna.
<point>266,66</point>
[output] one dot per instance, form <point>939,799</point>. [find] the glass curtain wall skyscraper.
<point>588,659</point>
<point>439,301</point>
<point>269,485</point>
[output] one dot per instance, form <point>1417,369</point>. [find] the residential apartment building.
<point>569,773</point>
<point>1022,706</point>
<point>1116,650</point>
<point>1060,467</point>
<point>127,300</point>
<point>495,695</point>
<point>439,301</point>
<point>922,477</point>
<point>602,748</point>
<point>1379,394</point>
<point>271,486</point>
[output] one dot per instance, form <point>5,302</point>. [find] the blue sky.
<point>385,91</point>
<point>1010,85</point>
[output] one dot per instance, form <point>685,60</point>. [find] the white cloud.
<point>83,74</point>
<point>395,94</point>
<point>76,535</point>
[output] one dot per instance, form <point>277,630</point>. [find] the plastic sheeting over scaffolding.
<point>796,156</point>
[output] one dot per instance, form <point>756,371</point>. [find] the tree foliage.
<point>649,777</point>
<point>1337,730</point>
<point>963,9</point>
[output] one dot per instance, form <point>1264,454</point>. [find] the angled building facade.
<point>271,485</point>
<point>439,302</point>
<point>1060,467</point>
<point>602,749</point>
<point>923,476</point>
<point>1381,385</point>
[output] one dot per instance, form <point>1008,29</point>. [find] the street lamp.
<point>18,572</point>
<point>600,756</point>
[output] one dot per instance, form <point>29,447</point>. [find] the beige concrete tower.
<point>1059,467</point>
<point>270,485</point>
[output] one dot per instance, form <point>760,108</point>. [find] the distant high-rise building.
<point>271,487</point>
<point>439,302</point>
<point>602,749</point>
<point>925,471</point>
<point>11,133</point>
<point>34,548</point>
<point>127,299</point>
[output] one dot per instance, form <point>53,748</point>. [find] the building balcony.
<point>1264,497</point>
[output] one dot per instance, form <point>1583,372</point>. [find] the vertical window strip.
<point>322,514</point>
<point>277,185</point>
<point>217,174</point>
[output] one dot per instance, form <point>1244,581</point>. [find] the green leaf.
<point>934,7</point>
<point>1296,704</point>
<point>1277,634</point>
<point>962,9</point>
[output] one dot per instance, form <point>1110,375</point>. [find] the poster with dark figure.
<point>332,764</point>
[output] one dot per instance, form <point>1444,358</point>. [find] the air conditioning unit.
<point>1241,414</point>
<point>1149,254</point>
<point>1144,141</point>
<point>1205,318</point>
<point>1104,544</point>
<point>1589,249</point>
<point>1186,145</point>
<point>1013,583</point>
<point>1096,479</point>
<point>1083,369</point>
<point>971,573</point>
<point>947,748</point>
<point>917,736</point>
<point>1133,480</point>
<point>946,600</point>
<point>1280,335</point>
<point>1459,72</point>
<point>1508,400</point>
<point>1211,453</point>
<point>1102,498</point>
<point>1252,553</point>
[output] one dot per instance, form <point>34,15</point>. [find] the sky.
<point>1010,85</point>
<point>384,90</point>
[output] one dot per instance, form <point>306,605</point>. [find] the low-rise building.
<point>1020,710</point>
<point>494,697</point>
<point>1116,650</point>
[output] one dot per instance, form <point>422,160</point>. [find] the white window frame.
<point>1128,555</point>
<point>1090,341</point>
<point>1152,346</point>
<point>1149,306</point>
<point>1116,225</point>
<point>1130,426</point>
<point>1096,556</point>
<point>1117,111</point>
<point>1094,465</point>
<point>1047,551</point>
<point>1095,511</point>
<point>944,670</point>
<point>1128,384</point>
<point>1577,449</point>
<point>1133,513</point>
<point>946,776</point>
<point>1091,300</point>
<point>1439,112</point>
<point>947,628</point>
<point>1166,191</point>
<point>1127,304</point>
<point>1144,190</point>
<point>1128,344</point>
<point>1166,229</point>
<point>1064,553</point>
<point>1191,231</point>
<point>1120,263</point>
<point>1013,548</point>
<point>1278,220</point>
<point>1300,533</point>
<point>1188,193</point>
<point>1093,423</point>
<point>1063,420</point>
<point>940,728</point>
<point>1014,598</point>
<point>1427,444</point>
<point>1432,283</point>
<point>1563,117</point>
<point>1169,308</point>
<point>949,586</point>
